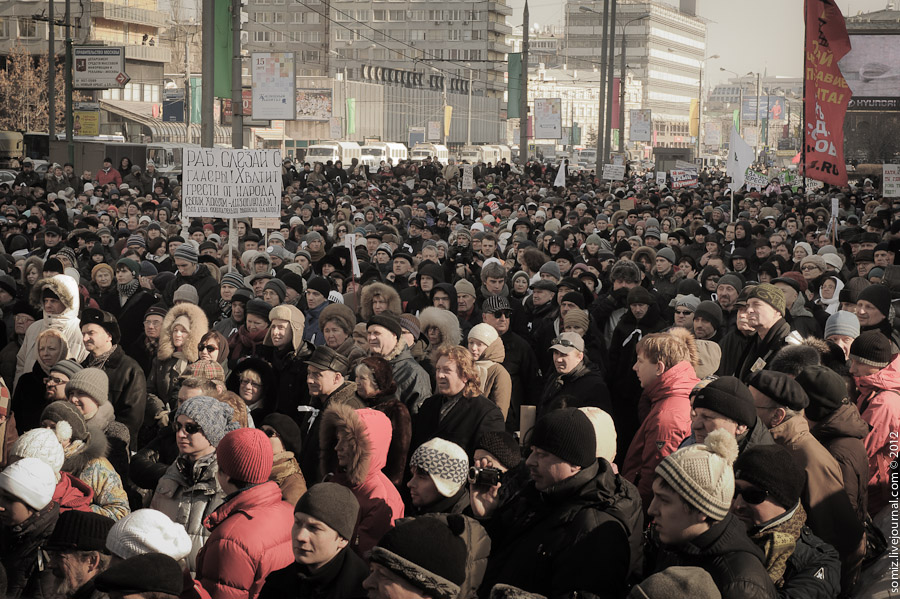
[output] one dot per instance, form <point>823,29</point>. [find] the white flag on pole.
<point>350,243</point>
<point>740,158</point>
<point>560,175</point>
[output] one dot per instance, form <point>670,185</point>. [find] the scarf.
<point>127,290</point>
<point>225,308</point>
<point>778,539</point>
<point>152,345</point>
<point>245,343</point>
<point>100,361</point>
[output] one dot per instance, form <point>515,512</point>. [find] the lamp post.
<point>700,102</point>
<point>601,107</point>
<point>622,81</point>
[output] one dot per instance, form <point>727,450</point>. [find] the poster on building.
<point>891,180</point>
<point>468,178</point>
<point>87,118</point>
<point>547,118</point>
<point>434,131</point>
<point>713,136</point>
<point>314,104</point>
<point>683,178</point>
<point>99,67</point>
<point>641,128</point>
<point>273,85</point>
<point>225,183</point>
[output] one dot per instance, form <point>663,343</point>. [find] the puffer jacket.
<point>496,383</point>
<point>187,493</point>
<point>25,569</point>
<point>368,433</point>
<point>663,429</point>
<point>728,555</point>
<point>413,384</point>
<point>842,433</point>
<point>250,537</point>
<point>88,463</point>
<point>879,406</point>
<point>72,494</point>
<point>550,542</point>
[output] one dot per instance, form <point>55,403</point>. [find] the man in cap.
<point>798,315</point>
<point>875,313</point>
<point>383,332</point>
<point>191,272</point>
<point>765,313</point>
<point>588,514</point>
<point>842,328</point>
<point>573,380</point>
<point>78,552</point>
<point>707,321</point>
<point>324,565</point>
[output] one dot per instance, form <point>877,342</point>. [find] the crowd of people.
<point>602,390</point>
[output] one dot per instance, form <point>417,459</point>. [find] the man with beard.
<point>727,292</point>
<point>78,553</point>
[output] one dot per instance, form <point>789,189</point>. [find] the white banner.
<point>547,118</point>
<point>224,183</point>
<point>273,86</point>
<point>660,178</point>
<point>891,179</point>
<point>641,126</point>
<point>753,179</point>
<point>684,165</point>
<point>434,131</point>
<point>613,172</point>
<point>468,178</point>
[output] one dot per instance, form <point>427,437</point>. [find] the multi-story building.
<point>302,27</point>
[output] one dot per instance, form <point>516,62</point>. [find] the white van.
<point>345,151</point>
<point>421,151</point>
<point>373,153</point>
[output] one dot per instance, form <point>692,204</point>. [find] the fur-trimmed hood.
<point>65,287</point>
<point>368,433</point>
<point>96,447</point>
<point>199,327</point>
<point>369,292</point>
<point>446,322</point>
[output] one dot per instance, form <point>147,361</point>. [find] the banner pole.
<point>230,252</point>
<point>803,124</point>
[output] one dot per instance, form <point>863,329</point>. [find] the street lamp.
<point>700,102</point>
<point>622,81</point>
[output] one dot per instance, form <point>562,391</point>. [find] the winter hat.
<point>791,359</point>
<point>871,348</point>
<point>576,318</point>
<point>842,323</point>
<point>711,311</point>
<point>568,434</point>
<point>826,390</point>
<point>729,397</point>
<point>879,296</point>
<point>691,302</point>
<point>131,265</point>
<point>214,417</point>
<point>794,279</point>
<point>464,286</point>
<point>143,574</point>
<point>388,321</point>
<point>484,333</point>
<point>80,531</point>
<point>186,293</point>
<point>99,267</point>
<point>341,314</point>
<point>104,320</point>
<point>92,382</point>
<point>709,357</point>
<point>411,324</point>
<point>701,474</point>
<point>780,388</point>
<point>187,252</point>
<point>70,425</point>
<point>770,294</point>
<point>245,455</point>
<point>259,308</point>
<point>208,370</point>
<point>40,443</point>
<point>233,279</point>
<point>551,268</point>
<point>278,287</point>
<point>319,284</point>
<point>148,531</point>
<point>733,280</point>
<point>446,463</point>
<point>427,553</point>
<point>667,253</point>
<point>604,431</point>
<point>677,582</point>
<point>639,295</point>
<point>66,367</point>
<point>855,286</point>
<point>31,481</point>
<point>772,468</point>
<point>574,297</point>
<point>333,504</point>
<point>503,446</point>
<point>287,430</point>
<point>148,269</point>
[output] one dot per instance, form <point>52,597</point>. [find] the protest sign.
<point>225,183</point>
<point>613,172</point>
<point>753,179</point>
<point>660,178</point>
<point>891,180</point>
<point>683,178</point>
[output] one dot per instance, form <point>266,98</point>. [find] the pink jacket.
<point>879,406</point>
<point>664,428</point>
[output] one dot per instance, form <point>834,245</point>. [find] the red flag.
<point>826,92</point>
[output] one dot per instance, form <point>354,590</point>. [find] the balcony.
<point>499,47</point>
<point>148,53</point>
<point>127,14</point>
<point>500,7</point>
<point>501,28</point>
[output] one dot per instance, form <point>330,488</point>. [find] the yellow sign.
<point>87,118</point>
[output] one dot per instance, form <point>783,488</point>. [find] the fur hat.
<point>342,315</point>
<point>105,320</point>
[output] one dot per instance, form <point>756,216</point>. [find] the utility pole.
<point>469,113</point>
<point>757,119</point>
<point>69,122</point>
<point>237,100</point>
<point>523,91</point>
<point>444,135</point>
<point>611,42</point>
<point>601,108</point>
<point>51,71</point>
<point>622,94</point>
<point>207,98</point>
<point>188,138</point>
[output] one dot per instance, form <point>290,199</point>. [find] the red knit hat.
<point>245,455</point>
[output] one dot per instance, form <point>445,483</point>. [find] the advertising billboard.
<point>273,86</point>
<point>314,104</point>
<point>870,69</point>
<point>547,118</point>
<point>773,106</point>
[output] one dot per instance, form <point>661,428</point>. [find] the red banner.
<point>827,94</point>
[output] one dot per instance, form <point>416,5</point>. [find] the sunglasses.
<point>191,428</point>
<point>209,348</point>
<point>503,314</point>
<point>751,495</point>
<point>683,312</point>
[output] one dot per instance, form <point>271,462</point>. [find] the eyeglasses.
<point>191,428</point>
<point>683,312</point>
<point>209,348</point>
<point>252,384</point>
<point>503,314</point>
<point>809,267</point>
<point>751,495</point>
<point>52,380</point>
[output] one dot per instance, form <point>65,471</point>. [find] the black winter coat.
<point>341,578</point>
<point>762,350</point>
<point>131,315</point>
<point>813,571</point>
<point>206,286</point>
<point>150,463</point>
<point>843,433</point>
<point>579,538</point>
<point>127,391</point>
<point>464,424</point>
<point>583,386</point>
<point>522,365</point>
<point>19,550</point>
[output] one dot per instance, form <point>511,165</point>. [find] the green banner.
<point>351,116</point>
<point>514,85</point>
<point>736,120</point>
<point>196,96</point>
<point>224,49</point>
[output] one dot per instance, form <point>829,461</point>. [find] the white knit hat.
<point>484,332</point>
<point>31,481</point>
<point>41,443</point>
<point>148,531</point>
<point>446,463</point>
<point>605,430</point>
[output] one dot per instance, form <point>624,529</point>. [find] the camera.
<point>484,476</point>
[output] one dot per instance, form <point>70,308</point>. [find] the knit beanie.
<point>826,390</point>
<point>287,430</point>
<point>677,582</point>
<point>186,293</point>
<point>411,324</point>
<point>772,468</point>
<point>729,397</point>
<point>40,443</point>
<point>80,531</point>
<point>66,367</point>
<point>70,424</point>
<point>577,318</point>
<point>604,431</point>
<point>770,294</point>
<point>131,265</point>
<point>446,463</point>
<point>551,268</point>
<point>333,504</point>
<point>855,286</point>
<point>31,481</point>
<point>464,286</point>
<point>842,323</point>
<point>145,574</point>
<point>710,311</point>
<point>319,284</point>
<point>639,295</point>
<point>503,446</point>
<point>245,455</point>
<point>187,252</point>
<point>148,531</point>
<point>484,333</point>
<point>567,434</point>
<point>278,287</point>
<point>233,279</point>
<point>427,553</point>
<point>701,474</point>
<point>879,296</point>
<point>733,280</point>
<point>99,267</point>
<point>667,253</point>
<point>689,301</point>
<point>871,348</point>
<point>388,321</point>
<point>213,416</point>
<point>92,382</point>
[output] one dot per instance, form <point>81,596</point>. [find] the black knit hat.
<point>871,348</point>
<point>388,321</point>
<point>427,553</point>
<point>258,307</point>
<point>568,434</point>
<point>146,573</point>
<point>287,430</point>
<point>826,390</point>
<point>639,295</point>
<point>319,284</point>
<point>729,397</point>
<point>772,468</point>
<point>80,531</point>
<point>102,319</point>
<point>780,388</point>
<point>710,311</point>
<point>333,504</point>
<point>879,296</point>
<point>503,446</point>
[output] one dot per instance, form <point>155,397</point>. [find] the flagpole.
<point>803,124</point>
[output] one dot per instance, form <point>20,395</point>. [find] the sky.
<point>760,36</point>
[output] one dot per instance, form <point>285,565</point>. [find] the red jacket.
<point>113,176</point>
<point>72,494</point>
<point>879,406</point>
<point>250,538</point>
<point>665,427</point>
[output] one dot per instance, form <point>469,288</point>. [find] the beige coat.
<point>496,383</point>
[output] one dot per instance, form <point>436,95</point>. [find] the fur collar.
<point>199,327</point>
<point>64,287</point>
<point>342,418</point>
<point>95,448</point>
